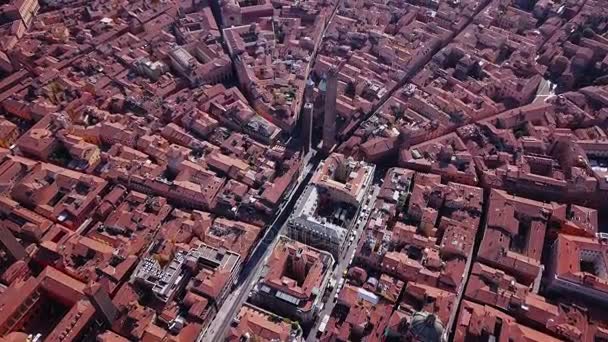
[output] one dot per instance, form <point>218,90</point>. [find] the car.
<point>332,284</point>
<point>345,272</point>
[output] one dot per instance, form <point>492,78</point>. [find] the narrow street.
<point>253,267</point>
<point>345,260</point>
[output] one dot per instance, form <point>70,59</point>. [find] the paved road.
<point>344,262</point>
<point>253,267</point>
<point>410,72</point>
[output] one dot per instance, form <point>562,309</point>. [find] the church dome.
<point>426,327</point>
